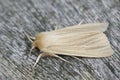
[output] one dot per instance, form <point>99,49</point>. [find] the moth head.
<point>41,41</point>
<point>38,41</point>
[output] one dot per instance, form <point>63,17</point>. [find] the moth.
<point>85,40</point>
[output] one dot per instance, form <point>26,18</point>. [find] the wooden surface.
<point>34,16</point>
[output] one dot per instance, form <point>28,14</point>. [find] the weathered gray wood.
<point>35,16</point>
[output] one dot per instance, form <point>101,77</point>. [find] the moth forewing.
<point>83,28</point>
<point>92,42</point>
<point>99,48</point>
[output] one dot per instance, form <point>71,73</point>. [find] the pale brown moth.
<point>85,40</point>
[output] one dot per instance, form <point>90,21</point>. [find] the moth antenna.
<point>32,37</point>
<point>29,37</point>
<point>62,59</point>
<point>38,58</point>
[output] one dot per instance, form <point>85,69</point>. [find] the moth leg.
<point>62,59</point>
<point>31,50</point>
<point>38,58</point>
<point>29,37</point>
<point>56,28</point>
<point>81,22</point>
